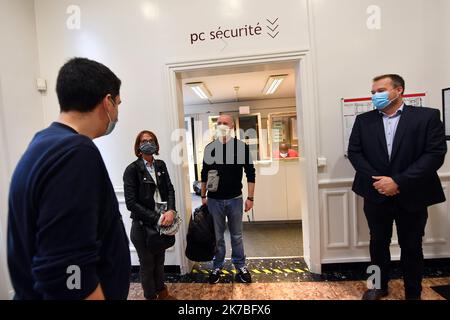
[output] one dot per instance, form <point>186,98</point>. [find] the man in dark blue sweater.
<point>66,238</point>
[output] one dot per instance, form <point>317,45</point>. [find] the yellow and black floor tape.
<point>256,271</point>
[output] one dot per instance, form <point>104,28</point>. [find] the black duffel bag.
<point>201,239</point>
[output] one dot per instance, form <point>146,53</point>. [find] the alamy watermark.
<point>374,281</point>
<point>234,154</point>
<point>74,280</point>
<point>374,18</point>
<point>73,22</point>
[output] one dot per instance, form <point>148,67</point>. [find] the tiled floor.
<point>290,279</point>
<point>283,279</point>
<point>272,240</point>
<point>341,290</point>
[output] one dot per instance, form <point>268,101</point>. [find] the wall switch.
<point>321,162</point>
<point>41,84</point>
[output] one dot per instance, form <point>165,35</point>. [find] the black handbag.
<point>156,242</point>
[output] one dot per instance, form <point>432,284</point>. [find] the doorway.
<point>305,167</point>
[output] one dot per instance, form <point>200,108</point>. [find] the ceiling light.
<point>273,83</point>
<point>200,90</point>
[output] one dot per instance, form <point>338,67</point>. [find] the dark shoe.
<point>214,276</point>
<point>164,295</point>
<point>375,294</point>
<point>244,276</point>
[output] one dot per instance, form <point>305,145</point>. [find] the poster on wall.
<point>351,108</point>
<point>446,111</point>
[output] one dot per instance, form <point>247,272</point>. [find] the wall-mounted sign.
<point>268,27</point>
<point>351,108</point>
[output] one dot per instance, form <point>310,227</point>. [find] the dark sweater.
<point>63,211</point>
<point>229,160</point>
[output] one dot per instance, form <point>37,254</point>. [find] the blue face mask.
<point>149,148</point>
<point>381,100</point>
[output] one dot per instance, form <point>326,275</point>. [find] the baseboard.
<point>171,269</point>
<point>362,266</point>
<point>271,223</point>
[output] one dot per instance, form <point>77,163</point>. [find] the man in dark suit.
<point>396,151</point>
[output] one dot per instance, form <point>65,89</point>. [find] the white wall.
<point>137,38</point>
<point>446,42</point>
<point>137,47</point>
<point>21,113</point>
<point>414,42</point>
<point>349,55</point>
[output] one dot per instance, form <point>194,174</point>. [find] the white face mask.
<point>284,155</point>
<point>223,131</point>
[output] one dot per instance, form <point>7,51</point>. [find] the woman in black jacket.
<point>147,187</point>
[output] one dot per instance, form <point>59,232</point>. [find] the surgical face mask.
<point>111,124</point>
<point>149,148</point>
<point>223,131</point>
<point>381,100</point>
<point>284,155</point>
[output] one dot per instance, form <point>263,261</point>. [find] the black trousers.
<point>152,265</point>
<point>410,232</point>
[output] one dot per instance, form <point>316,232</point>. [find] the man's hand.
<point>248,205</point>
<point>168,218</point>
<point>386,186</point>
<point>204,201</point>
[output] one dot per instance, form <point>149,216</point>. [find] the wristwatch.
<point>250,198</point>
<point>204,197</point>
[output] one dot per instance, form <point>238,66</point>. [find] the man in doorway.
<point>224,161</point>
<point>66,238</point>
<point>285,152</point>
<point>396,151</point>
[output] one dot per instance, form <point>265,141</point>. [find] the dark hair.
<point>83,83</point>
<point>137,143</point>
<point>397,80</point>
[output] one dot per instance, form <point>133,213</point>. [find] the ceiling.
<point>251,84</point>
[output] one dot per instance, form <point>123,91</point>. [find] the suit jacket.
<point>418,151</point>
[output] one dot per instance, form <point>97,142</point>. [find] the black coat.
<point>418,152</point>
<point>140,187</point>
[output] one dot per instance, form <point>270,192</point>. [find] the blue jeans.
<point>232,210</point>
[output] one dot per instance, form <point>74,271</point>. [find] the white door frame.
<point>6,291</point>
<point>307,124</point>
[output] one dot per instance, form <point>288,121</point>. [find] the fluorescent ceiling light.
<point>200,90</point>
<point>273,83</point>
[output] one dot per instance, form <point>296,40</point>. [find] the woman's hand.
<point>168,218</point>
